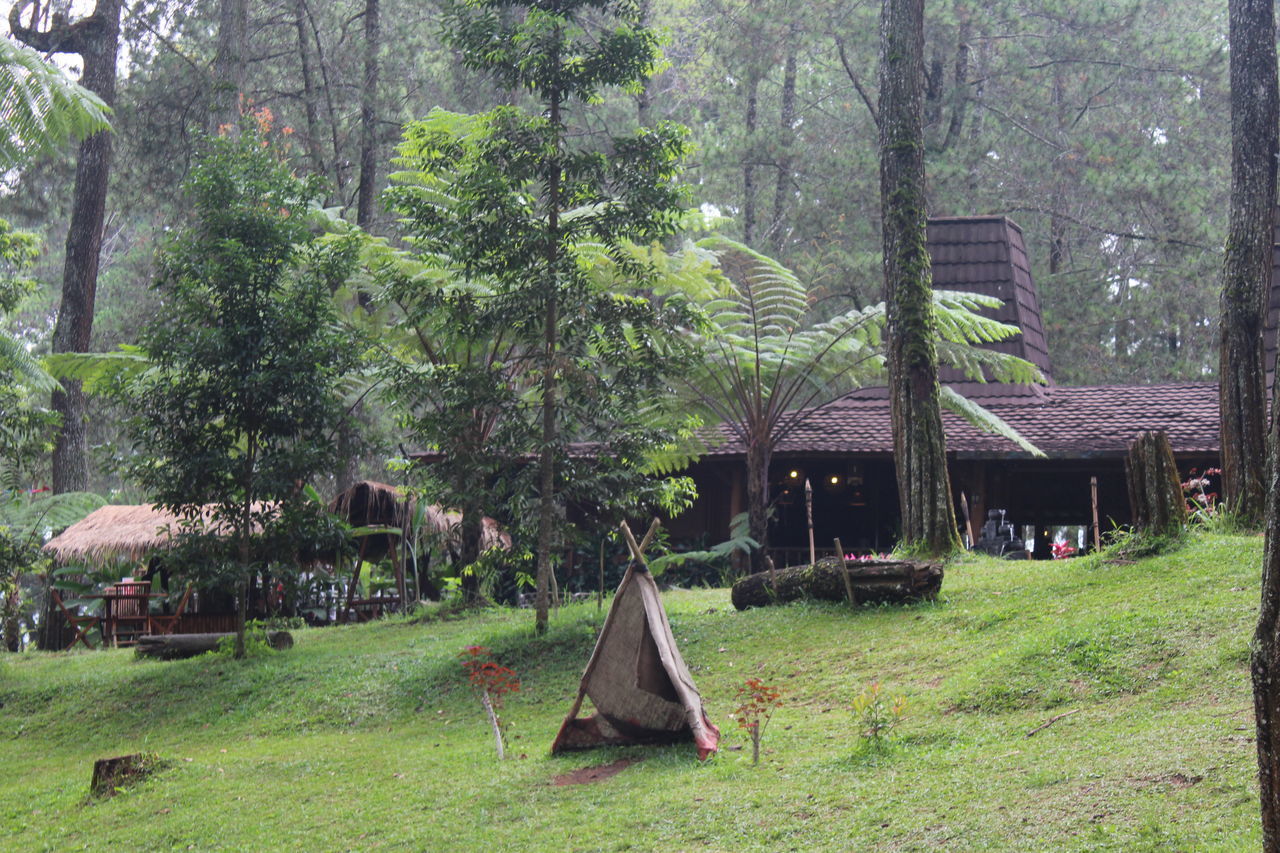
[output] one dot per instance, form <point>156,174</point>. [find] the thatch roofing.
<point>370,503</point>
<point>114,533</point>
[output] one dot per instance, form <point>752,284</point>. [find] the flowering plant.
<point>1202,504</point>
<point>491,681</point>
<point>759,701</point>
<point>1062,550</point>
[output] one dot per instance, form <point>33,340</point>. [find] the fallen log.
<point>874,582</point>
<point>175,646</point>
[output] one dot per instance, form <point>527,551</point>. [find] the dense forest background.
<point>1102,128</point>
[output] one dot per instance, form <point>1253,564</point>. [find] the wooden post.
<point>968,519</point>
<point>844,567</point>
<point>1097,534</point>
<point>808,509</point>
<point>600,594</point>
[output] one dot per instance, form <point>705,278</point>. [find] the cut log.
<point>1155,491</point>
<point>174,646</point>
<point>880,581</point>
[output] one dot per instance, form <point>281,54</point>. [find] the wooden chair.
<point>165,623</point>
<point>82,624</point>
<point>127,614</point>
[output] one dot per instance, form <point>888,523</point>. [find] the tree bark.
<point>748,162</point>
<point>924,491</point>
<point>547,456</point>
<point>229,65</point>
<point>786,139</point>
<point>1265,657</point>
<point>893,582</point>
<point>758,458</point>
<point>96,38</point>
<point>369,117</point>
<point>177,646</point>
<point>308,91</point>
<point>1246,267</point>
<point>1155,490</point>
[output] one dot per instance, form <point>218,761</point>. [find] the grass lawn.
<point>366,737</point>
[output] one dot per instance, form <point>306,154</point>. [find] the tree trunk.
<point>229,65</point>
<point>369,117</point>
<point>472,532</point>
<point>1155,490</point>
<point>96,38</point>
<point>1246,267</point>
<point>308,91</point>
<point>892,582</point>
<point>924,492</point>
<point>786,139</point>
<point>748,162</point>
<point>547,457</point>
<point>1265,658</point>
<point>758,457</point>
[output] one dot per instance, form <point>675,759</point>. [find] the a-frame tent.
<point>636,679</point>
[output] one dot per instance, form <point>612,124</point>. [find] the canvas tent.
<point>637,680</point>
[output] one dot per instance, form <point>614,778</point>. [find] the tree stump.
<point>111,774</point>
<point>175,646</point>
<point>1155,489</point>
<point>880,581</point>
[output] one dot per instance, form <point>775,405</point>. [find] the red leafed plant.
<point>491,681</point>
<point>1061,550</point>
<point>759,701</point>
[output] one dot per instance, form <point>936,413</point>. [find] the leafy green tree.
<point>236,411</point>
<point>526,192</point>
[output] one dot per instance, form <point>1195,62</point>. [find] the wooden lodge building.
<point>845,449</point>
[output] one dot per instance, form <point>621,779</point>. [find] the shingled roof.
<point>986,254</point>
<point>1065,423</point>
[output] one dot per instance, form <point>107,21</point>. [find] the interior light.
<point>835,481</point>
<point>795,475</point>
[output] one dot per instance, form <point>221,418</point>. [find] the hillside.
<point>365,737</point>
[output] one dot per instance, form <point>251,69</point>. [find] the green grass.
<point>365,737</point>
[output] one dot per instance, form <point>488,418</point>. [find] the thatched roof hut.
<point>117,533</point>
<point>372,504</point>
<point>112,534</point>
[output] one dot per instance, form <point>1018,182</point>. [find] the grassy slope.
<point>364,737</point>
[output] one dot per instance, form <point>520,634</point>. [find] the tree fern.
<point>40,106</point>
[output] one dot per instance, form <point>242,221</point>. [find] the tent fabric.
<point>636,679</point>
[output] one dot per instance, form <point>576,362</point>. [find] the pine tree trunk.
<point>924,491</point>
<point>748,162</point>
<point>1246,267</point>
<point>369,117</point>
<point>1265,657</point>
<point>96,38</point>
<point>786,138</point>
<point>1155,491</point>
<point>229,64</point>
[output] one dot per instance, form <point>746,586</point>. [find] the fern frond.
<point>97,370</point>
<point>40,106</point>
<point>985,420</point>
